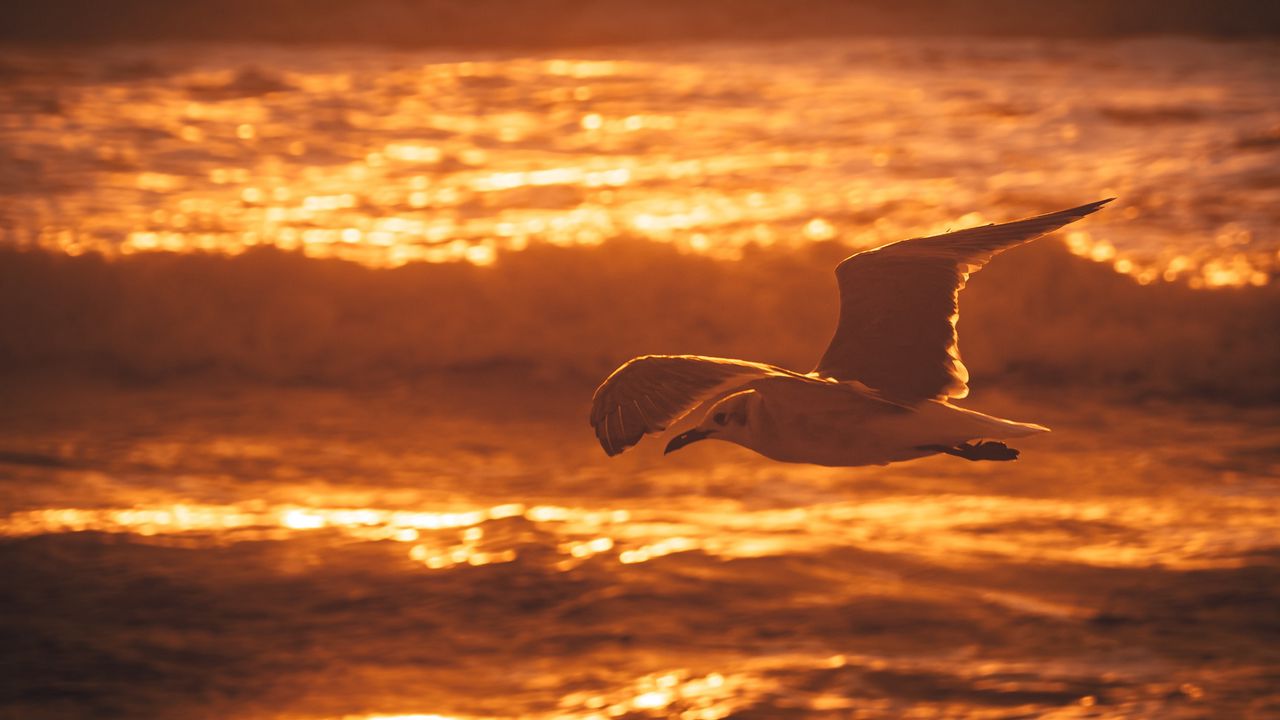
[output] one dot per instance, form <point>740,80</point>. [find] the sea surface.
<point>297,347</point>
<point>389,157</point>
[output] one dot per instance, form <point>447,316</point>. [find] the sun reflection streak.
<point>214,160</point>
<point>677,693</point>
<point>944,529</point>
<point>733,686</point>
<point>408,716</point>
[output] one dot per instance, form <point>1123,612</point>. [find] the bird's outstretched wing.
<point>899,304</point>
<point>649,393</point>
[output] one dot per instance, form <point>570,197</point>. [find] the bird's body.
<point>837,424</point>
<point>882,391</point>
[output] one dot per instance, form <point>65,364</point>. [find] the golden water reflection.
<point>692,694</point>
<point>678,693</point>
<point>422,158</point>
<point>947,530</point>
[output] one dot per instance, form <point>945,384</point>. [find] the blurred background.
<point>302,306</point>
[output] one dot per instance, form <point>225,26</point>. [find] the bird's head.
<point>726,420</point>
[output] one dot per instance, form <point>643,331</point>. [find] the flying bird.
<point>882,391</point>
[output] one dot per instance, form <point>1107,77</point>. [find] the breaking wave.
<point>1039,314</point>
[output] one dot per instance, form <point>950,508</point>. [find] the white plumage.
<point>881,392</point>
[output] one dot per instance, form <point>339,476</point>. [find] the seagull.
<point>882,391</point>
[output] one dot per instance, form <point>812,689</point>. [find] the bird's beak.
<point>685,438</point>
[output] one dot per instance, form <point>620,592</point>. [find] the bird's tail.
<point>989,426</point>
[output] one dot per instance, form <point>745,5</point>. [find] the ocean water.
<point>297,346</point>
<point>389,157</point>
<point>214,551</point>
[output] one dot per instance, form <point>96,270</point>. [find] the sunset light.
<point>639,360</point>
<point>580,169</point>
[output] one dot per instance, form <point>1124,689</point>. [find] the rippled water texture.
<point>306,554</point>
<point>269,485</point>
<point>389,157</point>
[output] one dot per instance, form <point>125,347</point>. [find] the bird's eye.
<point>719,418</point>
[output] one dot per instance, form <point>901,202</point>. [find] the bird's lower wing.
<point>649,393</point>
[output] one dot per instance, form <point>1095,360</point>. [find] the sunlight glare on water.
<point>940,528</point>
<point>378,563</point>
<point>389,158</point>
<point>278,487</point>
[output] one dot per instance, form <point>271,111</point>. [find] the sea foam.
<point>1038,314</point>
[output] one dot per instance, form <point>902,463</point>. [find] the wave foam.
<point>1037,314</point>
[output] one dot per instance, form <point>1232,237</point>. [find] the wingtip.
<point>1082,210</point>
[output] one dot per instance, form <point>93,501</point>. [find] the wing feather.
<point>899,304</point>
<point>649,393</point>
